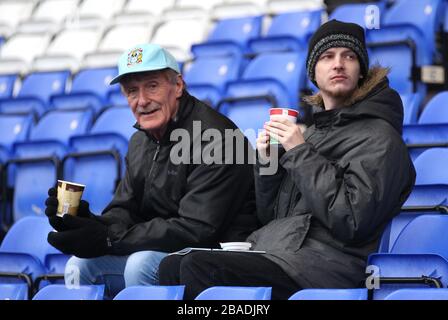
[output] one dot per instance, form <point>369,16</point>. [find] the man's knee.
<point>142,268</point>
<point>79,271</point>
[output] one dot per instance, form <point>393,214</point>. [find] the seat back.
<point>7,82</point>
<point>29,236</point>
<point>330,294</point>
<point>419,294</point>
<point>13,291</point>
<point>61,292</point>
<point>235,293</point>
<point>44,84</point>
<point>151,293</point>
<point>435,110</point>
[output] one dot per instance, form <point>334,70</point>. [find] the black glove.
<point>84,237</point>
<point>52,207</point>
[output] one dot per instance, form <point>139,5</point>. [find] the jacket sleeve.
<point>353,201</point>
<point>267,187</point>
<point>214,193</point>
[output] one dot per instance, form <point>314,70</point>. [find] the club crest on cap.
<point>135,56</point>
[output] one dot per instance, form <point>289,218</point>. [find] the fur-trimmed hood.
<point>373,99</point>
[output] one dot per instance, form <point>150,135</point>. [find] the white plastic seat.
<point>100,8</point>
<point>281,6</point>
<point>122,37</point>
<point>236,10</point>
<point>155,7</point>
<point>205,5</point>
<point>12,11</point>
<point>168,35</point>
<point>55,10</point>
<point>20,50</point>
<point>68,49</point>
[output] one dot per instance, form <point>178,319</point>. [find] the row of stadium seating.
<point>68,123</point>
<point>412,255</point>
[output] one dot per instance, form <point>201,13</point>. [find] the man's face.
<point>152,97</point>
<point>337,72</point>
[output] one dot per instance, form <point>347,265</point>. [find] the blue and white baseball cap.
<point>145,57</point>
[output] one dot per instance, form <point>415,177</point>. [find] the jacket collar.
<point>375,76</point>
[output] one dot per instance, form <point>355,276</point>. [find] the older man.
<point>162,204</point>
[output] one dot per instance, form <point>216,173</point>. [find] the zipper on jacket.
<point>154,158</point>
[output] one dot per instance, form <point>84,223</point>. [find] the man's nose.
<point>338,62</point>
<point>143,99</point>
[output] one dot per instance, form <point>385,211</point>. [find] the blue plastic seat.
<point>289,31</point>
<point>99,163</point>
<point>420,249</point>
<point>419,294</point>
<point>90,89</point>
<point>151,293</point>
<point>432,126</point>
<point>61,292</point>
<point>13,291</point>
<point>280,75</point>
<point>206,77</point>
<point>7,82</point>
<point>35,93</point>
<point>13,128</point>
<point>36,161</point>
<point>411,107</point>
<point>25,249</point>
<point>330,294</point>
<point>229,37</point>
<point>360,14</point>
<point>235,293</point>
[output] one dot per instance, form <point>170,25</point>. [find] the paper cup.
<point>282,113</point>
<point>69,195</point>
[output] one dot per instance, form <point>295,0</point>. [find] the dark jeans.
<point>200,270</point>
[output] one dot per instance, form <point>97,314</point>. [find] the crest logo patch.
<point>135,57</point>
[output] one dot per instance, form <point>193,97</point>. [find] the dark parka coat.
<point>325,209</point>
<point>164,206</point>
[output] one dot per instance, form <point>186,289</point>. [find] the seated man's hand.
<point>83,237</point>
<point>52,207</point>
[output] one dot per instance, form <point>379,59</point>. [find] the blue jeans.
<point>115,272</point>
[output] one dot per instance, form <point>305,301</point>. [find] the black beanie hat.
<point>333,34</point>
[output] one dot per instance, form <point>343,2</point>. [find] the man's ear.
<point>179,85</point>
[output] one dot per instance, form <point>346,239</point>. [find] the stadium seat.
<point>68,48</point>
<point>330,294</point>
<point>13,291</point>
<point>12,12</point>
<point>155,8</point>
<point>419,294</point>
<point>46,10</point>
<point>407,270</point>
<point>13,128</point>
<point>229,37</point>
<point>121,37</point>
<point>151,293</point>
<point>280,75</point>
<point>97,159</point>
<point>96,8</point>
<point>37,161</point>
<point>281,6</point>
<point>24,250</point>
<point>179,43</point>
<point>236,9</point>
<point>61,292</point>
<point>35,93</point>
<point>432,127</point>
<point>289,31</point>
<point>205,5</point>
<point>358,13</point>
<point>420,251</point>
<point>235,293</point>
<point>411,107</point>
<point>7,82</point>
<point>90,88</point>
<point>206,77</point>
<point>15,55</point>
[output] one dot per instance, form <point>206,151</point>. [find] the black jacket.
<point>164,206</point>
<point>327,207</point>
